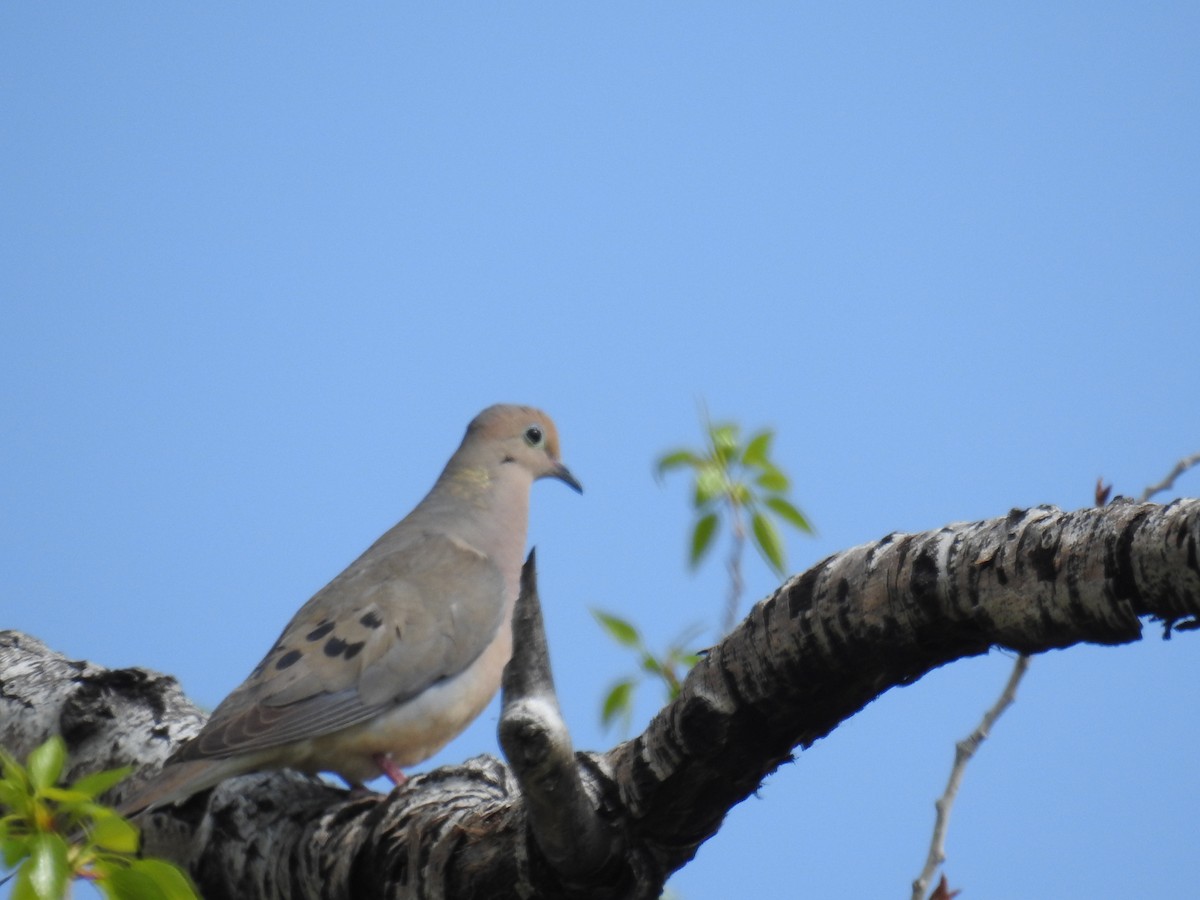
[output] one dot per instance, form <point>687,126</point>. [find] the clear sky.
<point>260,264</point>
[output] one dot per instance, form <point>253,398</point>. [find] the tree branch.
<point>538,747</point>
<point>808,657</point>
<point>1167,483</point>
<point>881,615</point>
<point>963,751</point>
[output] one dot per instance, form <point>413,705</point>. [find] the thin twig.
<point>737,547</point>
<point>963,751</point>
<point>1165,485</point>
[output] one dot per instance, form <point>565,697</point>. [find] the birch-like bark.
<point>825,644</point>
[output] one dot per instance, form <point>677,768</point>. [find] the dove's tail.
<point>178,781</point>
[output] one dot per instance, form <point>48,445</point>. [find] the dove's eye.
<point>533,436</point>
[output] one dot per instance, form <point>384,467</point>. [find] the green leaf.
<point>9,767</point>
<point>758,451</point>
<point>46,762</point>
<point>766,538</point>
<point>22,887</point>
<point>789,514</point>
<point>710,482</point>
<point>131,884</point>
<point>617,703</point>
<point>702,538</point>
<point>14,796</point>
<point>619,629</point>
<point>114,833</point>
<point>97,783</point>
<point>171,881</point>
<point>64,796</point>
<point>13,850</point>
<point>772,480</point>
<point>47,867</point>
<point>674,460</point>
<point>724,443</point>
<point>651,664</point>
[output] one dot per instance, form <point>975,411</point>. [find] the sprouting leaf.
<point>127,883</point>
<point>758,450</point>
<point>47,867</point>
<point>789,513</point>
<point>675,460</point>
<point>702,538</point>
<point>724,441</point>
<point>651,664</point>
<point>766,538</point>
<point>112,832</point>
<point>14,792</point>
<point>46,762</point>
<point>619,629</point>
<point>710,481</point>
<point>9,767</point>
<point>617,703</point>
<point>64,796</point>
<point>170,880</point>
<point>13,849</point>
<point>772,480</point>
<point>98,782</point>
<point>43,861</point>
<point>737,480</point>
<point>22,887</point>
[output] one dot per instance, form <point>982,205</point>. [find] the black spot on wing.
<point>335,646</point>
<point>288,659</point>
<point>371,620</point>
<point>320,631</point>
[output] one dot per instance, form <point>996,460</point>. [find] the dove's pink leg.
<point>389,768</point>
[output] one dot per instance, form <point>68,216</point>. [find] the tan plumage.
<point>396,655</point>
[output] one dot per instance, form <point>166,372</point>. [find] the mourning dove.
<point>395,656</point>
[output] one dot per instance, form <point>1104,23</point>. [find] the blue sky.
<point>259,267</point>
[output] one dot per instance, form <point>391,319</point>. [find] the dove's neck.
<point>485,506</point>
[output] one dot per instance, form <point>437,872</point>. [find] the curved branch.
<point>881,615</point>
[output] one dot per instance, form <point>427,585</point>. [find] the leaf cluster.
<point>51,835</point>
<point>734,479</point>
<point>737,478</point>
<point>669,667</point>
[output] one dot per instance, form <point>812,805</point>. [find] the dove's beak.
<point>563,474</point>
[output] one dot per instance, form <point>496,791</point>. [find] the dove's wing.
<point>390,626</point>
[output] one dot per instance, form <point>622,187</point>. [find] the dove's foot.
<point>388,767</point>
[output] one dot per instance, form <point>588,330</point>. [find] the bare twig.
<point>738,545</point>
<point>1165,485</point>
<point>963,751</point>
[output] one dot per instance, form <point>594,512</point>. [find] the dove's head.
<point>505,435</point>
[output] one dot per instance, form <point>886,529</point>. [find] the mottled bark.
<point>825,644</point>
<point>563,818</point>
